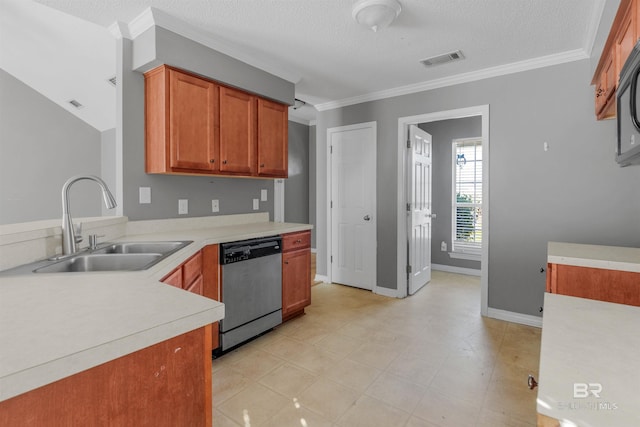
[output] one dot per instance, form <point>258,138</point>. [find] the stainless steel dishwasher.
<point>251,288</point>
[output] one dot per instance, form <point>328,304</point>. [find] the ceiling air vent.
<point>443,59</point>
<point>112,81</point>
<point>75,103</point>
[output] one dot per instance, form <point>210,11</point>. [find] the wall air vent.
<point>75,103</point>
<point>112,81</point>
<point>443,59</point>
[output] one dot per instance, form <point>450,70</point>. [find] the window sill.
<point>465,255</point>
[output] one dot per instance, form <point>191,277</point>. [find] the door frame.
<point>329,230</point>
<point>401,250</point>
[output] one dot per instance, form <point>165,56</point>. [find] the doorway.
<point>403,247</point>
<point>351,232</point>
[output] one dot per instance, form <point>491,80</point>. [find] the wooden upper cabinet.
<point>181,122</point>
<point>622,38</point>
<point>196,126</point>
<point>238,136</point>
<point>273,151</point>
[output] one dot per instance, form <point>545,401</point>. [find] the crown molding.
<point>151,17</point>
<point>516,67</point>
<point>120,30</point>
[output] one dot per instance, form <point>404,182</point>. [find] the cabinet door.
<point>296,281</point>
<point>211,284</point>
<point>626,36</point>
<point>174,278</point>
<point>238,139</point>
<point>272,139</point>
<point>193,114</point>
<point>606,88</point>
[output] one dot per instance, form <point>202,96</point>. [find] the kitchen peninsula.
<point>121,344</point>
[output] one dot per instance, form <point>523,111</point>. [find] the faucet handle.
<point>93,240</point>
<point>78,232</point>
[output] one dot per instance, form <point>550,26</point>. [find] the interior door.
<point>353,203</point>
<point>419,208</point>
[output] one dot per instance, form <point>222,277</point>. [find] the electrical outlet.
<point>443,246</point>
<point>183,206</point>
<point>256,204</point>
<point>263,195</point>
<point>145,195</point>
<point>215,206</point>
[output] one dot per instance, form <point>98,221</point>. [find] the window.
<point>467,198</point>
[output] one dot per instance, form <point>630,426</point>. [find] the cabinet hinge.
<point>408,207</point>
<point>331,149</point>
<point>408,143</point>
<point>332,259</point>
<point>332,204</point>
<point>408,269</point>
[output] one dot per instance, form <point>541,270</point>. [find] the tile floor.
<point>360,359</point>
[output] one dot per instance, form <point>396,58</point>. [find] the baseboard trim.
<point>511,316</point>
<point>320,278</point>
<point>385,292</point>
<point>459,270</point>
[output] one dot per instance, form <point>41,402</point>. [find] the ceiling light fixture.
<point>297,103</point>
<point>376,14</point>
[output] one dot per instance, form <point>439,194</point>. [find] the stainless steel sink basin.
<point>102,262</point>
<point>163,248</point>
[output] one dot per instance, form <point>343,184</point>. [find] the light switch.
<point>145,195</point>
<point>215,206</point>
<point>263,195</point>
<point>183,206</point>
<point>256,204</point>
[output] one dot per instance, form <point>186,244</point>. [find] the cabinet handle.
<point>224,162</point>
<point>286,262</point>
<point>261,165</point>
<point>599,93</point>
<point>212,161</point>
<point>299,241</point>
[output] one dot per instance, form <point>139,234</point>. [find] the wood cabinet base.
<point>167,384</point>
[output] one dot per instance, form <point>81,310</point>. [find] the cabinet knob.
<point>286,262</point>
<point>224,162</point>
<point>261,165</point>
<point>299,241</point>
<point>212,161</point>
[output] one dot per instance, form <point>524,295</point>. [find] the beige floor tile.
<point>257,364</point>
<point>469,384</point>
<point>446,411</point>
<point>295,415</point>
<point>419,370</point>
<point>357,376</point>
<point>328,398</point>
<point>315,360</point>
<point>490,418</point>
<point>254,405</point>
<point>375,355</point>
<point>221,420</point>
<point>525,358</point>
<point>286,347</point>
<point>397,392</point>
<point>419,422</point>
<point>310,333</point>
<point>288,380</point>
<point>516,401</point>
<point>339,344</point>
<point>227,383</point>
<point>370,412</point>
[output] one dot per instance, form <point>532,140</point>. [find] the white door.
<point>419,208</point>
<point>353,205</point>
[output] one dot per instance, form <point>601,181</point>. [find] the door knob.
<point>367,218</point>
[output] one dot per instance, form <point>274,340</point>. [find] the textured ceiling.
<point>336,59</point>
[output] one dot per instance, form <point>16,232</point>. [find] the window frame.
<point>461,250</point>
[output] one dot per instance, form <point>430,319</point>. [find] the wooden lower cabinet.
<point>211,285</point>
<point>188,275</point>
<point>622,287</point>
<point>545,421</point>
<point>166,384</point>
<point>296,273</point>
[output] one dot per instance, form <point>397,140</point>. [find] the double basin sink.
<point>125,256</point>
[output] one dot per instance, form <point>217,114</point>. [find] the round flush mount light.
<point>376,14</point>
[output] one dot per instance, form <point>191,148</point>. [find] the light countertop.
<point>594,347</point>
<point>55,325</point>
<point>594,256</point>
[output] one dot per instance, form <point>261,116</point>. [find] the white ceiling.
<point>332,60</point>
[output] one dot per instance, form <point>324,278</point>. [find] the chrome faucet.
<point>69,240</point>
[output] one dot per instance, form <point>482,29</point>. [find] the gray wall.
<point>296,187</point>
<point>312,183</point>
<point>574,192</point>
<point>41,146</point>
<point>443,133</point>
<point>235,194</point>
<point>108,163</point>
